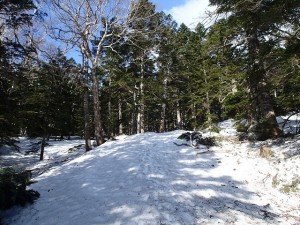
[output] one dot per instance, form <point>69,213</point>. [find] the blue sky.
<point>189,12</point>
<point>167,4</point>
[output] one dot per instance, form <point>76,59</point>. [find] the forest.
<point>123,79</point>
<point>135,70</point>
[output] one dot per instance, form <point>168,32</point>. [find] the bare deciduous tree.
<point>91,26</point>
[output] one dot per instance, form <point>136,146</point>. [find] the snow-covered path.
<point>146,179</point>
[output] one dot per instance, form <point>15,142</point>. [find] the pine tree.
<point>51,99</point>
<point>257,22</point>
<point>142,59</point>
<point>14,16</point>
<point>222,70</point>
<point>166,68</point>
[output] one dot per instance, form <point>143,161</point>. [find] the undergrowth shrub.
<point>197,139</point>
<point>10,142</point>
<point>13,188</point>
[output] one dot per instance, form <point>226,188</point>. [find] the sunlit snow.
<point>147,179</point>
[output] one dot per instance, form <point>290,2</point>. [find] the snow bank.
<point>227,128</point>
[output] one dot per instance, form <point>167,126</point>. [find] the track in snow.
<point>146,179</point>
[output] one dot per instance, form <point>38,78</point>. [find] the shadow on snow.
<point>137,181</point>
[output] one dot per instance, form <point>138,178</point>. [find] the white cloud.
<point>190,13</point>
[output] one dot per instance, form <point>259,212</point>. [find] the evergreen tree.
<point>222,71</point>
<point>257,22</point>
<point>15,16</point>
<point>182,74</point>
<point>166,63</point>
<point>142,58</point>
<point>52,99</point>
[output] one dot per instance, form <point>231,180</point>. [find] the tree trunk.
<point>162,127</point>
<point>97,110</point>
<point>178,114</point>
<point>138,122</point>
<point>86,110</point>
<point>110,117</point>
<point>194,117</point>
<point>87,136</point>
<point>42,148</point>
<point>142,108</point>
<point>134,121</point>
<point>132,124</point>
<point>120,117</point>
<point>264,123</point>
<point>207,104</point>
<point>141,104</point>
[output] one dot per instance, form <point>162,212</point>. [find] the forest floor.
<point>147,179</point>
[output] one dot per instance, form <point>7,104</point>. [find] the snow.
<point>147,179</point>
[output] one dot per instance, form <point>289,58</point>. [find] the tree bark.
<point>138,122</point>
<point>142,108</point>
<point>42,148</point>
<point>134,122</point>
<point>87,136</point>
<point>86,107</point>
<point>97,109</point>
<point>141,103</point>
<point>162,127</point>
<point>194,117</point>
<point>207,104</point>
<point>110,116</point>
<point>120,117</point>
<point>263,120</point>
<point>178,115</point>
